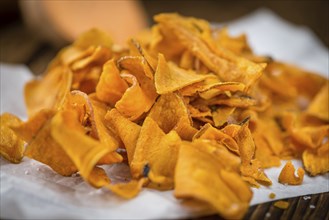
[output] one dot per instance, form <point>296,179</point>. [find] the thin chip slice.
<point>195,167</point>
<point>127,131</point>
<point>221,115</point>
<point>99,56</point>
<point>215,58</point>
<point>287,175</point>
<point>49,92</point>
<point>29,129</point>
<point>211,133</point>
<point>315,163</point>
<point>98,178</point>
<point>93,37</point>
<point>159,152</point>
<point>128,190</point>
<point>84,151</point>
<point>139,68</point>
<point>319,107</point>
<point>134,101</point>
<point>11,145</point>
<point>111,86</point>
<point>42,147</point>
<point>250,167</point>
<point>169,77</point>
<point>169,110</point>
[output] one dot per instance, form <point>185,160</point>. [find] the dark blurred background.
<point>312,13</point>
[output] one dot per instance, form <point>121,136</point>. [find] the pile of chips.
<point>185,106</point>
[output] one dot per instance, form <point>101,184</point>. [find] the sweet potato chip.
<point>177,117</point>
<point>11,145</point>
<point>316,162</point>
<point>319,107</point>
<point>127,131</point>
<point>211,133</point>
<point>93,37</point>
<point>99,56</point>
<point>138,66</point>
<point>134,101</point>
<point>28,130</point>
<point>98,178</point>
<point>43,147</point>
<point>287,175</point>
<point>226,191</point>
<point>49,92</point>
<point>159,152</point>
<point>128,190</point>
<point>221,115</point>
<point>170,78</point>
<point>226,65</point>
<point>111,86</point>
<point>84,151</point>
<point>250,167</point>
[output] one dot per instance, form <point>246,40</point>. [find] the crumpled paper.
<point>31,190</point>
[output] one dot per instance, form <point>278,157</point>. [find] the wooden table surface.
<point>19,46</point>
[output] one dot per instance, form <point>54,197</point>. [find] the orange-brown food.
<point>287,175</point>
<point>185,106</point>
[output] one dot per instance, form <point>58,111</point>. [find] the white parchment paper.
<point>31,190</point>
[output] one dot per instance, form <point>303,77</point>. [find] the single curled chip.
<point>287,175</point>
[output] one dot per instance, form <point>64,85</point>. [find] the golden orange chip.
<point>134,101</point>
<point>167,118</point>
<point>157,153</point>
<point>287,175</point>
<point>310,136</point>
<point>319,107</point>
<point>11,145</point>
<point>84,151</point>
<point>128,190</point>
<point>250,167</point>
<point>98,178</point>
<point>170,78</point>
<point>221,115</point>
<point>127,131</point>
<point>215,58</point>
<point>49,92</point>
<point>211,133</point>
<point>93,37</point>
<point>137,65</point>
<point>281,204</point>
<point>238,44</point>
<point>111,86</point>
<point>226,192</point>
<point>221,88</point>
<point>139,68</point>
<point>136,49</point>
<point>42,147</point>
<point>315,163</point>
<point>28,130</point>
<point>100,55</point>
